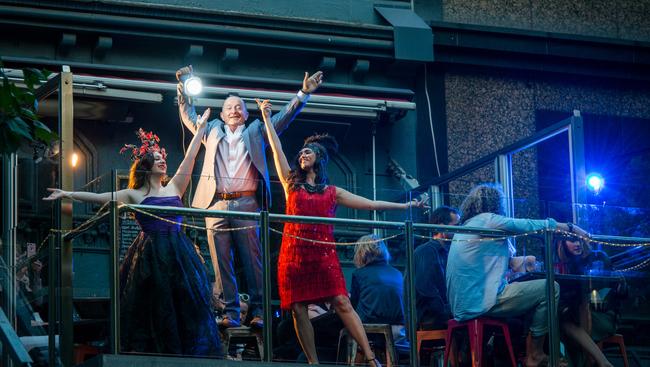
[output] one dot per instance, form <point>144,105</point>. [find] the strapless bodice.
<point>150,224</point>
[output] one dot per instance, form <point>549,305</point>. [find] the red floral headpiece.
<point>149,145</point>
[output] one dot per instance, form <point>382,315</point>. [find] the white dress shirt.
<point>234,168</point>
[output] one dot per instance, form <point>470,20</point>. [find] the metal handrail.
<point>72,235</point>
<point>608,238</point>
<point>282,218</point>
<point>11,343</point>
<point>515,147</point>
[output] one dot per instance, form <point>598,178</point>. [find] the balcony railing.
<point>407,228</point>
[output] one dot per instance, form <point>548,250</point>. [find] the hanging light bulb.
<point>74,160</point>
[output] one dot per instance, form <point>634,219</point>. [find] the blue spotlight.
<point>595,182</point>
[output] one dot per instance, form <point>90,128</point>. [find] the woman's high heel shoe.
<point>373,362</point>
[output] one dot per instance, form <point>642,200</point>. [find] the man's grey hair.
<point>235,96</point>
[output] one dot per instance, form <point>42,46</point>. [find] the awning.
<point>151,92</point>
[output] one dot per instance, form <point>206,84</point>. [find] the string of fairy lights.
<point>167,220</point>
<point>88,223</point>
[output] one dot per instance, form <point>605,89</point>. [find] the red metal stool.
<point>616,339</point>
<point>83,352</point>
<point>475,328</point>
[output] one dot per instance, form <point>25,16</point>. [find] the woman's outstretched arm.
<point>122,196</point>
<point>346,198</point>
<point>280,159</point>
<point>182,176</point>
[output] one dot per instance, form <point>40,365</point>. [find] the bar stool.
<point>429,335</point>
<point>381,329</point>
<point>82,352</point>
<point>243,333</point>
<point>616,339</point>
<point>475,328</point>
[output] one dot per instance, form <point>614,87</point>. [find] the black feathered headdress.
<point>322,145</point>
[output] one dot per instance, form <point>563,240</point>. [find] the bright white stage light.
<point>595,182</point>
<point>193,86</point>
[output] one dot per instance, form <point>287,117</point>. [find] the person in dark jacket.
<point>430,262</point>
<point>377,287</point>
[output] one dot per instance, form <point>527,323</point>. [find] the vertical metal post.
<point>410,292</point>
<point>577,165</point>
<point>553,326</point>
<point>503,171</point>
<point>10,216</point>
<point>114,282</point>
<point>66,123</point>
<point>436,195</point>
<point>503,176</point>
<point>266,301</point>
<point>373,133</point>
<point>53,299</point>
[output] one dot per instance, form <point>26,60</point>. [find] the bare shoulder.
<point>134,196</point>
<point>340,192</point>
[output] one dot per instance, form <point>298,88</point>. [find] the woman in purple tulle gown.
<point>164,291</point>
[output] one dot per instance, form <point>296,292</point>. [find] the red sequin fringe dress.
<point>309,271</point>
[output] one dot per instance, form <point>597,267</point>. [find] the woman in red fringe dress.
<point>308,267</point>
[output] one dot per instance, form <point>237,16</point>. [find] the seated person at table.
<point>429,263</point>
<point>476,269</point>
<point>377,290</point>
<point>575,256</point>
